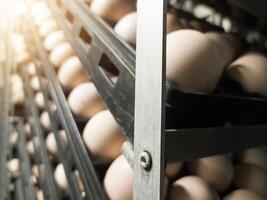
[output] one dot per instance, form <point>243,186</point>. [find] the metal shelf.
<point>73,155</point>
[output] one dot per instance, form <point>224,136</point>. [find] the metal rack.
<point>141,116</point>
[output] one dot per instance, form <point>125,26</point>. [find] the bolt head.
<point>145,160</point>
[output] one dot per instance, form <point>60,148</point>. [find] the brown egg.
<point>39,100</point>
<point>51,143</point>
<point>72,73</point>
<point>60,53</point>
<point>249,70</point>
<point>45,120</point>
<point>103,136</point>
<point>173,169</point>
<point>112,10</point>
<point>13,166</point>
<point>126,26</point>
<point>192,188</point>
<point>257,156</point>
<point>251,177</point>
<point>85,101</point>
<point>194,62</point>
<point>216,170</point>
<point>53,39</point>
<point>243,194</point>
<point>49,26</point>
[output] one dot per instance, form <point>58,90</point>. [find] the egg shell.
<point>249,70</point>
<point>45,120</point>
<point>48,27</point>
<point>51,143</point>
<point>103,136</point>
<point>53,39</point>
<point>84,100</point>
<point>72,73</point>
<point>252,177</point>
<point>60,53</point>
<point>13,166</point>
<point>173,169</point>
<point>30,147</point>
<point>13,138</point>
<point>257,156</point>
<point>243,194</point>
<point>194,62</point>
<point>126,26</point>
<point>217,170</point>
<point>192,188</point>
<point>60,177</point>
<point>39,100</point>
<point>112,10</point>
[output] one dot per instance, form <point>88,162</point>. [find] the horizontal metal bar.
<point>188,144</point>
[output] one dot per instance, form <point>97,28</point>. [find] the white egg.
<point>48,27</point>
<point>85,101</point>
<point>51,143</point>
<point>60,53</point>
<point>72,73</point>
<point>60,178</point>
<point>14,167</point>
<point>39,100</point>
<point>54,39</point>
<point>45,120</point>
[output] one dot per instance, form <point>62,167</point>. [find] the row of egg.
<point>205,179</point>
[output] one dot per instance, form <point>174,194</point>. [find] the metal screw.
<point>145,160</point>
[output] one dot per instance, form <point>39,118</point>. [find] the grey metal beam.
<point>149,137</point>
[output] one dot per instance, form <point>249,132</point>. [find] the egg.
<point>35,83</point>
<point>39,100</point>
<point>53,39</point>
<point>60,53</point>
<point>192,188</point>
<point>216,170</point>
<point>45,120</point>
<point>112,10</point>
<point>42,17</point>
<point>251,177</point>
<point>30,147</point>
<point>72,73</point>
<point>35,170</point>
<point>194,62</point>
<point>257,156</point>
<point>34,180</point>
<point>27,129</point>
<point>118,181</point>
<point>13,166</point>
<point>172,169</point>
<point>60,178</point>
<point>48,27</point>
<point>243,194</point>
<point>17,92</point>
<point>102,136</point>
<point>39,194</point>
<point>126,26</point>
<point>84,100</point>
<point>51,143</point>
<point>31,69</point>
<point>13,138</point>
<point>249,70</point>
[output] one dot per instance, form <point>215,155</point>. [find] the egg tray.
<point>195,110</point>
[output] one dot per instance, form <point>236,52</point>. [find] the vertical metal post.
<point>149,136</point>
